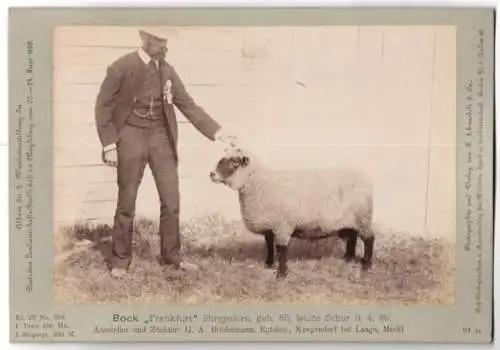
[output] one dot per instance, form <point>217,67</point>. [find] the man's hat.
<point>162,33</point>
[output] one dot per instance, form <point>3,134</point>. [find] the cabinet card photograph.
<point>212,176</point>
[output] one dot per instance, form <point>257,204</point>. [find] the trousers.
<point>138,147</point>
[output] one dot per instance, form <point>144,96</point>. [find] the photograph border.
<point>31,184</point>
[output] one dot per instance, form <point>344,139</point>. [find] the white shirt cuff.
<point>109,147</point>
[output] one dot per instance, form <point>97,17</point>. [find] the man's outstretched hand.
<point>226,140</point>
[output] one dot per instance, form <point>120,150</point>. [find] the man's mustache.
<point>160,55</point>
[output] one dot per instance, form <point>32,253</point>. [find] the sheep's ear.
<point>244,161</point>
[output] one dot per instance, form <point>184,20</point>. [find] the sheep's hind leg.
<point>350,237</point>
<point>366,261</point>
<point>269,236</point>
<point>282,252</point>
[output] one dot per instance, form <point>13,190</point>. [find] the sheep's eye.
<point>235,162</point>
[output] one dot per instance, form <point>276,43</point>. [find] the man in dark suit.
<point>136,124</point>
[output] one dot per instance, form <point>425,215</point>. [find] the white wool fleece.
<point>319,200</point>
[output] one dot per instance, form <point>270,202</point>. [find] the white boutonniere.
<point>167,91</point>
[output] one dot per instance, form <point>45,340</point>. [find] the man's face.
<point>156,47</point>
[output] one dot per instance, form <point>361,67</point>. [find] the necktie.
<point>152,66</point>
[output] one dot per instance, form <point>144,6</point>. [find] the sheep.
<point>307,204</point>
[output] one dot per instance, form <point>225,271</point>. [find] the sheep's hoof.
<point>281,274</point>
<point>269,265</point>
<point>366,264</point>
<point>348,258</point>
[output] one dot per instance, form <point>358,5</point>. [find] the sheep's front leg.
<point>282,240</point>
<point>269,235</point>
<point>350,236</point>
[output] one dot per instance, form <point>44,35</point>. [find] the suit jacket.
<point>117,94</point>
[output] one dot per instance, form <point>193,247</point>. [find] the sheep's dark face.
<point>227,167</point>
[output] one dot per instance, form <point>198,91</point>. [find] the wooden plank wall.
<point>378,98</point>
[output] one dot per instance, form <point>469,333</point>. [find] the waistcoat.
<point>147,110</point>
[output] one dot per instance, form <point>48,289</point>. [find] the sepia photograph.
<point>245,165</point>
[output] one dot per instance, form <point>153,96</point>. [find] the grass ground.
<point>406,269</point>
